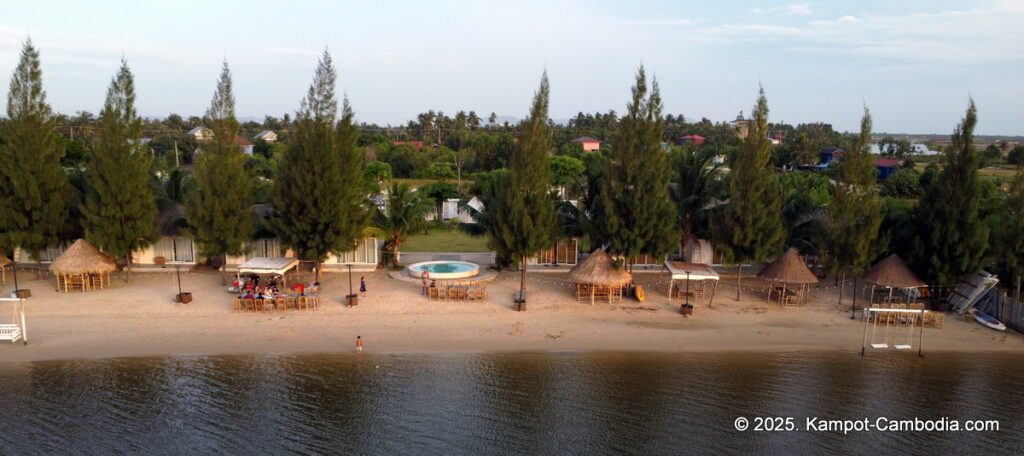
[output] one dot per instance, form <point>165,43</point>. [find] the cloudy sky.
<point>913,62</point>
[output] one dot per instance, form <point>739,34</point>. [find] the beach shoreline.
<point>140,320</point>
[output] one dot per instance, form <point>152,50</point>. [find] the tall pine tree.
<point>32,183</point>
<point>1011,233</point>
<point>635,189</point>
<point>120,209</point>
<point>530,218</point>
<point>219,210</point>
<point>317,205</point>
<point>953,238</point>
<point>354,205</point>
<point>749,228</point>
<point>856,213</point>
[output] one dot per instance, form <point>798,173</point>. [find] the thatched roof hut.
<point>788,268</point>
<point>599,269</point>
<point>892,272</point>
<point>597,278</point>
<point>82,266</point>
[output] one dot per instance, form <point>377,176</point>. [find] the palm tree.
<point>404,213</point>
<point>696,183</point>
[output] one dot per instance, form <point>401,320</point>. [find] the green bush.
<point>904,183</point>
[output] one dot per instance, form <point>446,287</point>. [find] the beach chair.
<point>236,304</point>
<point>250,305</point>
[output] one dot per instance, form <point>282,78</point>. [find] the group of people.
<point>249,288</point>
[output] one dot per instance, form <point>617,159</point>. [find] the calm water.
<point>502,404</point>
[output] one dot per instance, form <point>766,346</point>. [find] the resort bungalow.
<point>563,252</point>
<point>173,248</point>
<point>266,135</point>
<point>589,144</point>
<point>886,167</point>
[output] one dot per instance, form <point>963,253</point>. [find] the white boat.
<point>989,321</point>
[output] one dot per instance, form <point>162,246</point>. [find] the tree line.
<point>641,194</point>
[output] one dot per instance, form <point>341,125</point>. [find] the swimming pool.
<point>445,269</point>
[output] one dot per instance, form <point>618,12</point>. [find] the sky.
<point>914,63</point>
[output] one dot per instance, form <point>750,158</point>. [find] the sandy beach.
<point>141,319</point>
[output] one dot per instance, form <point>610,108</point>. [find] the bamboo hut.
<point>596,277</point>
<point>892,273</point>
<point>792,274</point>
<point>82,267</point>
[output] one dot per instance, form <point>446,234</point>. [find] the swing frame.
<point>874,324</point>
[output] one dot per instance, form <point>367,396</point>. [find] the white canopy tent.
<point>688,272</point>
<point>268,266</point>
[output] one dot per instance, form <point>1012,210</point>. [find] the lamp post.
<point>853,307</point>
<point>351,298</point>
<point>687,288</point>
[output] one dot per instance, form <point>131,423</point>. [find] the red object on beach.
<point>298,287</point>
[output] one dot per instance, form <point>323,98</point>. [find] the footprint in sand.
<point>517,329</point>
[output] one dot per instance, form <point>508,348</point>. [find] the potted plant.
<point>160,261</point>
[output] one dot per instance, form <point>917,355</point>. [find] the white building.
<point>266,135</point>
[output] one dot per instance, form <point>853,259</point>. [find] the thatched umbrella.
<point>598,274</point>
<point>789,269</point>
<point>892,273</point>
<point>82,265</point>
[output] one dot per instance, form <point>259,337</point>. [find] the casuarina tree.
<point>749,228</point>
<point>856,213</point>
<point>32,183</point>
<point>953,238</point>
<point>317,207</point>
<point>120,208</point>
<point>635,190</point>
<point>530,218</point>
<point>219,210</point>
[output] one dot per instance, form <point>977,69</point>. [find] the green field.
<point>445,241</point>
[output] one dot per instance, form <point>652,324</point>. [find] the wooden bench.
<point>10,332</point>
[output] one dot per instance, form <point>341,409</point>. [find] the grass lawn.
<point>445,241</point>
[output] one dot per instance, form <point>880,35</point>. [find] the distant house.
<point>201,133</point>
<point>691,139</point>
<point>415,144</point>
<point>266,135</point>
<point>826,156</point>
<point>245,143</point>
<point>776,139</point>
<point>589,144</point>
<point>886,166</point>
<point>741,125</point>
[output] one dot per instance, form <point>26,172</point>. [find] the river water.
<point>494,404</point>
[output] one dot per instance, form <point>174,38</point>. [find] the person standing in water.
<point>359,343</point>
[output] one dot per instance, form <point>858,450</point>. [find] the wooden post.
<point>24,328</point>
<point>920,337</point>
<point>864,341</point>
